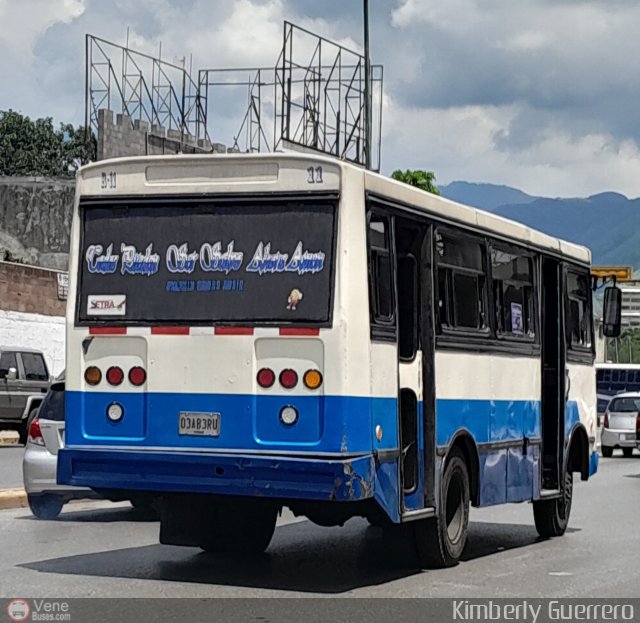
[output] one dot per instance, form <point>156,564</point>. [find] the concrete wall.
<point>35,219</point>
<point>31,313</point>
<point>46,333</point>
<point>123,138</point>
<point>30,289</point>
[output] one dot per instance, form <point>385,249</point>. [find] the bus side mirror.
<point>612,312</point>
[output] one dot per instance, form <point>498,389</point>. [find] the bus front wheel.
<point>440,540</point>
<point>552,516</point>
<point>243,528</point>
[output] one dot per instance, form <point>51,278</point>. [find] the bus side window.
<point>380,274</point>
<point>461,282</point>
<point>578,312</point>
<point>513,293</point>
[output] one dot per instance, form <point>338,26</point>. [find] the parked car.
<point>39,466</point>
<point>24,380</point>
<point>45,437</point>
<point>621,424</point>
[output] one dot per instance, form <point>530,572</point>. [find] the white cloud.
<point>460,143</point>
<point>535,93</point>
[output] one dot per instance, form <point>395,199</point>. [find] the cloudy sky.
<point>538,94</point>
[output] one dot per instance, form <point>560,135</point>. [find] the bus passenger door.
<point>553,374</point>
<point>413,277</point>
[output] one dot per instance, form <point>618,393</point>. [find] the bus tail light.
<point>288,378</point>
<point>115,375</point>
<point>312,379</point>
<point>137,376</point>
<point>266,378</point>
<point>606,420</point>
<point>92,375</point>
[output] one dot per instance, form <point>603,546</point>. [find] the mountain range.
<point>608,223</point>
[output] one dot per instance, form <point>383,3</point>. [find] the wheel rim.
<point>455,508</point>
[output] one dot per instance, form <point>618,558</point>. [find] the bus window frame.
<point>535,293</point>
<point>450,270</point>
<point>383,328</point>
<point>89,201</point>
<point>575,353</point>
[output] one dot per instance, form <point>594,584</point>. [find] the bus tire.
<point>440,540</point>
<point>552,516</point>
<point>240,529</point>
<point>607,451</point>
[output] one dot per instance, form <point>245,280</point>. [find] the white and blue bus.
<point>249,332</point>
<point>615,378</point>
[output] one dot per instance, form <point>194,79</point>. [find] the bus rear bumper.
<point>345,479</point>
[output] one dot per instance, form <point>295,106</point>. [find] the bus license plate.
<point>199,424</point>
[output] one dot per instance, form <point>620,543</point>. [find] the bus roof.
<point>617,366</point>
<point>170,172</point>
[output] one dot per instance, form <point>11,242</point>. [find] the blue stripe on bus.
<point>252,422</point>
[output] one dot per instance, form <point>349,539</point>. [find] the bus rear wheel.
<point>440,540</point>
<point>552,516</point>
<point>245,528</point>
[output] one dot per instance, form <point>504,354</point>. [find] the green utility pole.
<point>367,88</point>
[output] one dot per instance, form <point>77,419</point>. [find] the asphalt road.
<point>107,550</point>
<point>11,466</point>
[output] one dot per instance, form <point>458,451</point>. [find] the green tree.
<point>626,348</point>
<point>30,147</point>
<point>425,180</point>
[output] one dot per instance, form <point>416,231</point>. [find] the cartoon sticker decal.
<point>295,297</point>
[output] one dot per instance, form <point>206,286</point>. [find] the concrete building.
<point>630,305</point>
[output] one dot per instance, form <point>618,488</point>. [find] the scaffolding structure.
<point>313,98</point>
<point>140,86</point>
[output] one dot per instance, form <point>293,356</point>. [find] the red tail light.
<point>137,376</point>
<point>35,434</point>
<point>115,375</point>
<point>266,377</point>
<point>288,378</point>
<point>606,419</point>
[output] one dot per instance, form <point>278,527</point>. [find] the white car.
<point>621,426</point>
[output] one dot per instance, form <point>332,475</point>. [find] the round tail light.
<point>288,378</point>
<point>137,376</point>
<point>92,375</point>
<point>312,379</point>
<point>115,375</point>
<point>266,377</point>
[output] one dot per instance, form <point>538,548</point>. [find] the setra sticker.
<point>106,305</point>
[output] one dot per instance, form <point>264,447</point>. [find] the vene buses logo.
<point>106,305</point>
<point>18,610</point>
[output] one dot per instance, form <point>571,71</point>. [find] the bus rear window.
<point>206,262</point>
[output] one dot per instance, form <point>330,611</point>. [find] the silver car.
<point>39,467</point>
<point>621,427</point>
<point>40,464</point>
